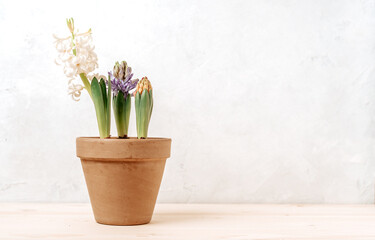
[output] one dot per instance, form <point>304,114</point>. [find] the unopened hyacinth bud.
<point>116,70</point>
<point>144,84</point>
<point>121,70</point>
<point>70,23</point>
<point>143,106</point>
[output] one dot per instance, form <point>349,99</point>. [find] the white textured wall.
<point>266,101</point>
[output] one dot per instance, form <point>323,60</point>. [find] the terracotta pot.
<point>123,177</point>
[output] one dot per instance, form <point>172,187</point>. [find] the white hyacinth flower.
<point>76,54</point>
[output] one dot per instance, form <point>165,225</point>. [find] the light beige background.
<point>266,101</point>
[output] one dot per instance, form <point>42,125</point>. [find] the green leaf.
<point>138,113</point>
<point>127,109</point>
<point>118,109</point>
<point>145,109</point>
<point>109,107</point>
<point>97,97</point>
<point>151,105</point>
<point>104,93</point>
<point>105,101</point>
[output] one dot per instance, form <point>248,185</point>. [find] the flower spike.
<point>143,106</point>
<point>122,83</point>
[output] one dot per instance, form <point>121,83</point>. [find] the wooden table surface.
<point>193,221</point>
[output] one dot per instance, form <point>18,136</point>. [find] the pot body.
<point>123,177</point>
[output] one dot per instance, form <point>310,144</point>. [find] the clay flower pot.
<point>123,177</point>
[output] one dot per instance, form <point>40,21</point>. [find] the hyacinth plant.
<point>76,54</point>
<point>143,106</point>
<point>122,83</point>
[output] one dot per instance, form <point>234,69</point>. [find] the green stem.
<point>86,83</point>
<point>74,45</point>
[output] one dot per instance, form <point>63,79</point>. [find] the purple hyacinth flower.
<point>123,85</point>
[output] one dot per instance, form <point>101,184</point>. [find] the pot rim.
<point>120,149</point>
<point>128,139</point>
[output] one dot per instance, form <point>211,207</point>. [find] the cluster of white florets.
<point>76,54</point>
